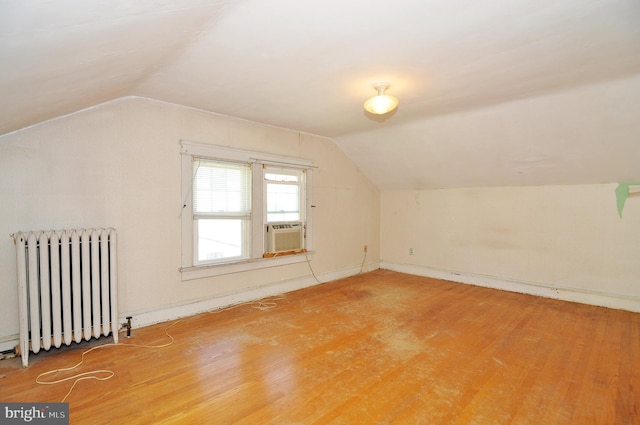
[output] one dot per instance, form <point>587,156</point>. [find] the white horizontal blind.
<point>221,189</point>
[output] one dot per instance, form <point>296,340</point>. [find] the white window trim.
<point>198,272</point>
<point>301,184</point>
<point>190,149</point>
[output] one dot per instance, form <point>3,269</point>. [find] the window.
<point>221,210</point>
<point>229,198</point>
<point>284,193</point>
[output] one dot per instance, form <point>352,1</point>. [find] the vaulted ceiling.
<point>492,92</point>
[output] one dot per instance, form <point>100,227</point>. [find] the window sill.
<point>198,272</point>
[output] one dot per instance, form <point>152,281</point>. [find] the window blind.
<point>221,189</point>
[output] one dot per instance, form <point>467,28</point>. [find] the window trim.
<point>198,272</point>
<point>257,160</point>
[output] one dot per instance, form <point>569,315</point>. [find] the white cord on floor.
<point>262,304</point>
<point>93,374</point>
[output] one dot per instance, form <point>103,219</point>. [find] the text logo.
<point>34,413</point>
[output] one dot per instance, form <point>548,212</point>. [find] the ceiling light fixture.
<point>382,103</point>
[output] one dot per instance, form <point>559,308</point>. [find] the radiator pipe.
<point>128,326</point>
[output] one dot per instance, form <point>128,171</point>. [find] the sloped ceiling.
<point>492,92</point>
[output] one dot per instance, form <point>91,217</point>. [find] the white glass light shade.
<point>382,103</point>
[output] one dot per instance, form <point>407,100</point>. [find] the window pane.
<point>283,202</point>
<point>219,239</point>
<point>281,177</point>
<point>221,187</point>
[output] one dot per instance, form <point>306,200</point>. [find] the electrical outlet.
<point>410,251</point>
<point>365,248</point>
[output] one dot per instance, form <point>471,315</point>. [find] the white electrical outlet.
<point>410,251</point>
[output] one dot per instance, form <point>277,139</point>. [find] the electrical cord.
<point>93,374</point>
<point>311,268</point>
<point>304,251</point>
<point>364,258</point>
<point>262,304</point>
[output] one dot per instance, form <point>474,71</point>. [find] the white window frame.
<point>245,216</point>
<point>258,161</point>
<point>281,169</point>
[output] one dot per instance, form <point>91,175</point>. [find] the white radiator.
<point>67,287</point>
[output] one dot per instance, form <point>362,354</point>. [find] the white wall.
<point>118,165</point>
<point>560,241</point>
<point>587,135</point>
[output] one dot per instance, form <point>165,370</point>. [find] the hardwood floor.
<point>378,348</point>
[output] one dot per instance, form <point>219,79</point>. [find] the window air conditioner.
<point>283,237</point>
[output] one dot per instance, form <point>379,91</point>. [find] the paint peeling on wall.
<point>622,193</point>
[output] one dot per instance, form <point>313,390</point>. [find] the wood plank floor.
<point>378,348</point>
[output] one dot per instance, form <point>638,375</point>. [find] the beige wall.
<point>565,237</point>
<point>118,165</point>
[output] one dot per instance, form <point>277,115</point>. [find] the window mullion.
<point>258,211</point>
<point>225,201</point>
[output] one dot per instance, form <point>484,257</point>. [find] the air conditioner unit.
<point>283,237</point>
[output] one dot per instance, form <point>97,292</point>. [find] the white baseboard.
<point>9,342</point>
<point>146,318</point>
<point>602,299</point>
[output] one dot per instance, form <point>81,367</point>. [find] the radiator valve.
<point>128,326</point>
